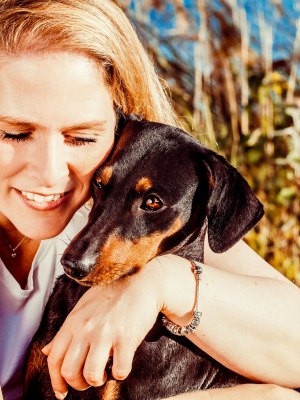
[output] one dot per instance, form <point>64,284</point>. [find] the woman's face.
<point>56,126</point>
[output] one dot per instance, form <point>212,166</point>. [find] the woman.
<point>66,66</point>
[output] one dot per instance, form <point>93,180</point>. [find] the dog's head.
<point>159,187</point>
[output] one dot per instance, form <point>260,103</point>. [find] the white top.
<point>21,309</point>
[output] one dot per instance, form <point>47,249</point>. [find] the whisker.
<point>87,207</point>
<point>119,263</point>
<point>57,265</point>
<point>62,240</point>
<point>68,237</point>
<point>186,235</point>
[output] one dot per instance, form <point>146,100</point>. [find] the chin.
<point>41,235</point>
<point>43,230</point>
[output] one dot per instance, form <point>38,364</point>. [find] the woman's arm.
<point>250,323</point>
<point>251,315</point>
<point>242,392</point>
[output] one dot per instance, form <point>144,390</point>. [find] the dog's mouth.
<point>79,281</point>
<point>104,279</point>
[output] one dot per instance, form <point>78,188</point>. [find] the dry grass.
<point>242,104</point>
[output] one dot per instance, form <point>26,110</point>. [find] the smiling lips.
<point>43,203</point>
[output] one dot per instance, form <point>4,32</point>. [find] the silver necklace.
<point>13,253</point>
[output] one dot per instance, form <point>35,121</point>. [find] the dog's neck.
<point>192,246</point>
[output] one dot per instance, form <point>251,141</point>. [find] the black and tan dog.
<point>158,193</point>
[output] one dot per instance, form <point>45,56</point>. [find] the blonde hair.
<point>98,29</point>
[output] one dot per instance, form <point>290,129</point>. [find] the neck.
<point>17,254</point>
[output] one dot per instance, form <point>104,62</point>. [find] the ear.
<point>232,207</point>
<point>122,120</point>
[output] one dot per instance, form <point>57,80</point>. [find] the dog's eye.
<point>151,203</point>
<point>98,181</point>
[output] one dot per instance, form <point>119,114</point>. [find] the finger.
<point>55,358</point>
<point>122,361</point>
<point>94,367</point>
<point>72,366</point>
<point>46,350</point>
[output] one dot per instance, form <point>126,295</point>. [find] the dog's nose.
<point>74,268</point>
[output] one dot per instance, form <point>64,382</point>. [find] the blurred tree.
<point>234,95</point>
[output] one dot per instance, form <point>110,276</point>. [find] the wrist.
<point>178,288</point>
<point>196,269</point>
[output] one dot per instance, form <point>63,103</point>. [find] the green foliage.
<point>240,103</point>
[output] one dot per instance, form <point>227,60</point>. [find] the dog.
<point>158,193</point>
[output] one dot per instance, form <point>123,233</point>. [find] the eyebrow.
<point>85,126</point>
<point>14,121</point>
<point>95,124</point>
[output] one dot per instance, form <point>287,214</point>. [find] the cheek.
<point>7,155</point>
<point>91,158</point>
<point>10,161</point>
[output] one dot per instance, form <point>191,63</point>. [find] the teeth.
<point>57,196</point>
<point>29,195</point>
<point>41,199</point>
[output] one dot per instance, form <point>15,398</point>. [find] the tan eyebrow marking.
<point>143,185</point>
<point>106,175</point>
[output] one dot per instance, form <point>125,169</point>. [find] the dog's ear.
<point>233,208</point>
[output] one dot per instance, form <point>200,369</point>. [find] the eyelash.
<point>20,137</point>
<point>25,136</point>
<point>80,141</point>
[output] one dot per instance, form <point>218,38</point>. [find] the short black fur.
<point>199,191</point>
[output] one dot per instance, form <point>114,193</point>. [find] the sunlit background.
<point>232,69</point>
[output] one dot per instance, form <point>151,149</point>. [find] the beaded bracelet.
<point>191,327</point>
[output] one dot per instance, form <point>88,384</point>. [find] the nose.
<point>50,163</point>
<point>74,268</point>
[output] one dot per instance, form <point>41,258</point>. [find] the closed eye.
<point>78,141</point>
<point>16,137</point>
<point>24,136</point>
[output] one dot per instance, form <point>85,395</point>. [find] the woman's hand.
<point>115,319</point>
<point>242,392</point>
<point>106,321</point>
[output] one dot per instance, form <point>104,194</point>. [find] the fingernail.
<point>119,377</point>
<point>82,390</point>
<point>45,350</point>
<point>60,396</point>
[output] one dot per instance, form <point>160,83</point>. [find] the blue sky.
<point>284,25</point>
